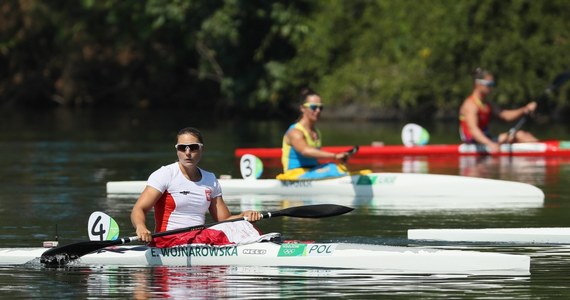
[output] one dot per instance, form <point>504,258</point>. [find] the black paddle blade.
<point>60,256</point>
<point>313,211</point>
<point>559,80</point>
<point>353,150</point>
<point>350,153</point>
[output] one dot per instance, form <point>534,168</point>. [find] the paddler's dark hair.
<point>480,73</point>
<point>305,93</point>
<point>193,131</point>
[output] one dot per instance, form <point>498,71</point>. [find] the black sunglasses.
<point>192,147</point>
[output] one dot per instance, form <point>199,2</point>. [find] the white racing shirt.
<point>183,202</point>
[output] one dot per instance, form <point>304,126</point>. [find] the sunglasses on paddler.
<point>192,147</point>
<point>314,106</point>
<point>488,83</point>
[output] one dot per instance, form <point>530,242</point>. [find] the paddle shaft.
<point>558,81</point>
<point>181,230</point>
<point>307,211</point>
<point>265,215</point>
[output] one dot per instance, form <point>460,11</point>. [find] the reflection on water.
<point>284,282</point>
<point>531,170</point>
<point>535,170</point>
<point>277,282</point>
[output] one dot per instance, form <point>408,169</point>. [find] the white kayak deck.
<point>381,205</point>
<point>382,259</point>
<point>406,185</point>
<point>540,235</point>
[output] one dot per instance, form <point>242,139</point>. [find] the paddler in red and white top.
<point>181,193</point>
<point>476,112</point>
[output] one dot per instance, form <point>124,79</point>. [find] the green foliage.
<point>401,53</point>
<point>243,55</point>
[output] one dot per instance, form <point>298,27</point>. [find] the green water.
<point>54,167</point>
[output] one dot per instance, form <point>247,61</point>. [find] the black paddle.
<point>350,153</point>
<point>62,255</point>
<point>558,81</point>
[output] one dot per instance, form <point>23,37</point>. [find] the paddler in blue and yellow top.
<point>302,143</point>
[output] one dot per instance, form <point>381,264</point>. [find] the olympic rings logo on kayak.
<point>289,252</point>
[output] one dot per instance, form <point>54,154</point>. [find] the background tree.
<point>241,57</point>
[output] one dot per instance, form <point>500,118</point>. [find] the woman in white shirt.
<point>181,193</point>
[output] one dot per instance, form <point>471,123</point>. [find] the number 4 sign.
<point>102,227</point>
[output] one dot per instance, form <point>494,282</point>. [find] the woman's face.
<point>312,107</point>
<point>189,150</point>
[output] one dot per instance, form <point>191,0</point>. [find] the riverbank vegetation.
<point>253,56</point>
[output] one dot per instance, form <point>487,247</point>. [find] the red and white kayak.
<point>544,148</point>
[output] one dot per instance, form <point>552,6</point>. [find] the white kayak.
<point>381,259</point>
<point>385,205</point>
<point>544,235</point>
<point>409,185</point>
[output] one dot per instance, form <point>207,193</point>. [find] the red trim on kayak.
<point>553,148</point>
